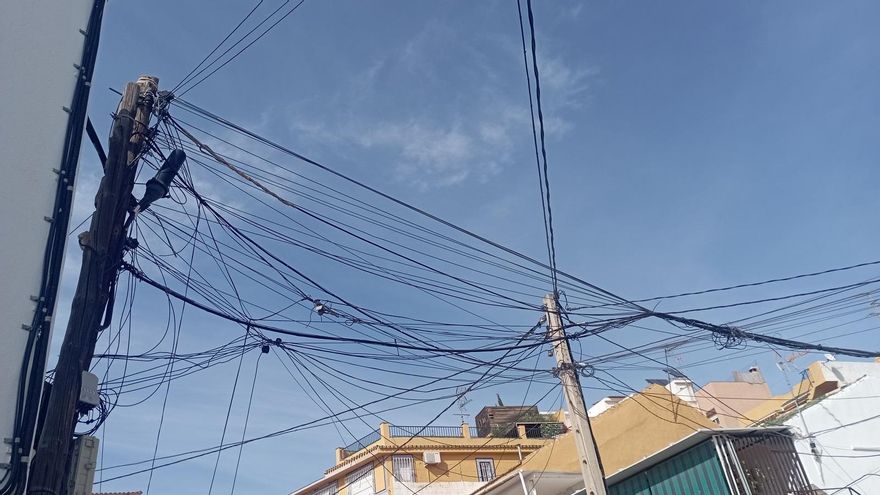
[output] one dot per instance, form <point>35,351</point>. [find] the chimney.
<point>753,375</point>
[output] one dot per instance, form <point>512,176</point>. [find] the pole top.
<point>152,81</point>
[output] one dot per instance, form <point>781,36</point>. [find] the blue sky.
<point>690,146</point>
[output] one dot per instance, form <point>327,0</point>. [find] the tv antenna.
<point>462,402</point>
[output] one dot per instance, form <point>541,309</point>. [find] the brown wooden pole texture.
<point>590,462</point>
<point>100,245</point>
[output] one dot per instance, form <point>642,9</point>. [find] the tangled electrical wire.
<point>275,257</point>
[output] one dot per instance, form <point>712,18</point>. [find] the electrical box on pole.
<point>83,465</point>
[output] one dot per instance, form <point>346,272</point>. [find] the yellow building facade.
<point>628,432</point>
<point>436,461</point>
<point>455,461</point>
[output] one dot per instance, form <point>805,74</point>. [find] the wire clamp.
<point>574,368</point>
<point>163,101</point>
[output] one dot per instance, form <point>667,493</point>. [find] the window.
<point>360,482</point>
<point>403,468</point>
<point>485,469</point>
<point>327,490</point>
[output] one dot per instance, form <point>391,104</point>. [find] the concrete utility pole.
<point>102,247</point>
<point>591,465</point>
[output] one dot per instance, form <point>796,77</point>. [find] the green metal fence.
<point>696,471</point>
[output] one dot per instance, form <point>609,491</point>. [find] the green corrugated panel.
<point>635,485</point>
<point>696,471</point>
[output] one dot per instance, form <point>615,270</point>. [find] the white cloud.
<point>564,86</point>
<point>429,155</point>
<point>443,128</point>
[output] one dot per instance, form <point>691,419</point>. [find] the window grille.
<point>403,468</point>
<point>485,469</point>
<point>360,482</point>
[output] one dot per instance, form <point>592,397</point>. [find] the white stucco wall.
<point>39,44</point>
<point>846,372</point>
<point>603,405</point>
<point>438,488</point>
<point>846,429</point>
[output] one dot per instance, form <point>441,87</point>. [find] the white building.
<point>47,53</point>
<point>839,441</point>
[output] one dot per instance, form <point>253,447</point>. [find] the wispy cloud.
<point>453,127</point>
<point>566,86</point>
<point>434,156</point>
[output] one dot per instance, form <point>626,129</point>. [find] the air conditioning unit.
<point>431,457</point>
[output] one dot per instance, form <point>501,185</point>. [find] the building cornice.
<point>369,453</point>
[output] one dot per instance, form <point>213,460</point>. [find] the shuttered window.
<point>360,482</point>
<point>485,469</point>
<point>403,468</point>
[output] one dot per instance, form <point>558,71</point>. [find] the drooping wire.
<point>551,240</point>
<point>749,284</point>
<point>247,418</point>
<point>175,341</point>
<point>228,412</point>
<point>596,290</point>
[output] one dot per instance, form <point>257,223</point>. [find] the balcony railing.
<point>544,430</point>
<point>532,430</point>
<point>427,431</point>
<point>537,429</point>
<point>362,442</point>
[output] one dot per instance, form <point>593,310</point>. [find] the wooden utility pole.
<point>591,465</point>
<point>102,248</point>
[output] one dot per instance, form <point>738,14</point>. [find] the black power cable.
<point>733,335</point>
<point>217,47</point>
<point>551,240</point>
<point>278,147</point>
<point>251,43</point>
<point>522,35</point>
<point>746,285</point>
